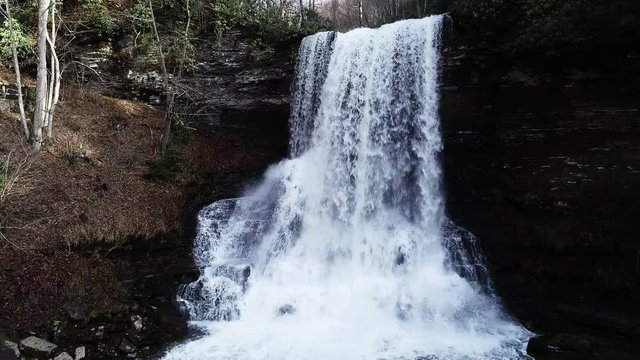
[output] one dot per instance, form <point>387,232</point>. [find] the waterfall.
<point>344,252</point>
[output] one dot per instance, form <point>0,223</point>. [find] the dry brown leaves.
<point>86,187</point>
<point>88,184</point>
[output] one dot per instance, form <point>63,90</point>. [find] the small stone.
<point>33,346</point>
<point>63,356</point>
<point>99,332</point>
<point>81,353</point>
<point>126,346</point>
<point>137,322</point>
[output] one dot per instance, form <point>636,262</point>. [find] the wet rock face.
<point>234,90</point>
<point>226,88</point>
<point>541,163</point>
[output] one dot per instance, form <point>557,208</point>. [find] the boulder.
<point>36,347</point>
<point>537,345</point>
<point>81,353</point>
<point>63,356</point>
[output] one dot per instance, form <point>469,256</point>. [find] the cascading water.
<point>343,251</point>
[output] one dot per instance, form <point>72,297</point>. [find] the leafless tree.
<point>16,67</point>
<point>56,75</point>
<point>40,115</point>
<point>169,88</point>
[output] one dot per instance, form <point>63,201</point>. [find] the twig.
<point>9,241</point>
<point>85,65</point>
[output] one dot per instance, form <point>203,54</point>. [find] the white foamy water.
<point>343,251</point>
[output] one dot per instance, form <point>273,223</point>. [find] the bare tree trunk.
<point>47,115</point>
<point>165,79</point>
<point>16,66</point>
<point>41,83</point>
<point>360,13</point>
<point>186,40</point>
<point>169,90</point>
<point>301,4</point>
<point>169,95</point>
<point>54,84</point>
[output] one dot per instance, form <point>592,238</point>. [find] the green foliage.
<point>139,25</point>
<point>224,15</point>
<point>26,14</point>
<point>173,161</point>
<point>314,23</point>
<point>260,50</point>
<point>271,19</point>
<point>177,46</point>
<point>24,44</point>
<point>140,17</point>
<point>97,16</point>
<point>166,167</point>
<point>268,20</point>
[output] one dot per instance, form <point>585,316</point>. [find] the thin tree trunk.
<point>172,95</point>
<point>56,96</point>
<point>186,40</point>
<point>47,115</point>
<point>301,4</point>
<point>54,86</point>
<point>360,12</point>
<point>16,66</point>
<point>41,83</point>
<point>167,88</point>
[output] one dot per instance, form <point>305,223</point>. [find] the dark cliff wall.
<point>541,161</point>
<point>231,86</point>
